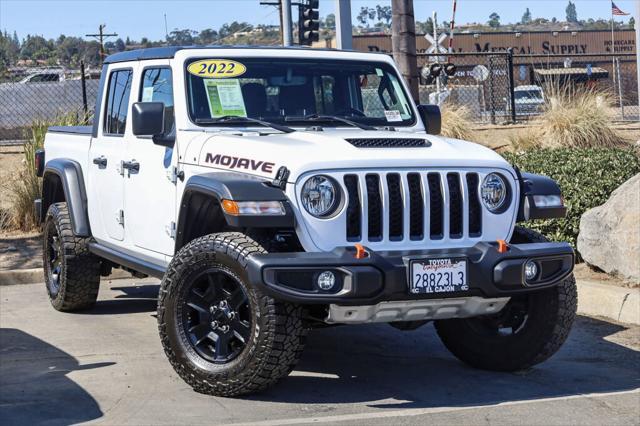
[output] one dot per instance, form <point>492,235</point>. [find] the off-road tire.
<point>550,317</point>
<point>277,333</point>
<point>78,279</point>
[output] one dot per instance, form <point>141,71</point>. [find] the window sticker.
<point>379,72</point>
<point>147,94</point>
<point>225,98</point>
<point>393,115</point>
<point>216,68</point>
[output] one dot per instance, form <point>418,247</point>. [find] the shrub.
<point>456,122</point>
<point>577,117</point>
<point>587,178</point>
<point>25,187</point>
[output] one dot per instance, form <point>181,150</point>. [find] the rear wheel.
<point>223,336</point>
<point>71,272</point>
<point>528,330</point>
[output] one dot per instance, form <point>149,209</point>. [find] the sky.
<point>145,18</point>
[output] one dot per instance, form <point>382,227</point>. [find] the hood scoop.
<point>389,142</point>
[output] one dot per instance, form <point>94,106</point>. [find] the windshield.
<point>533,95</point>
<point>291,91</point>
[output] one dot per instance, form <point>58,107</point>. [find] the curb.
<point>34,276</point>
<point>602,300</point>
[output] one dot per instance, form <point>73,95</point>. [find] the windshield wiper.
<point>236,119</point>
<point>318,117</point>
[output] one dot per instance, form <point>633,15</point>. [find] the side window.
<point>117,104</point>
<point>157,87</point>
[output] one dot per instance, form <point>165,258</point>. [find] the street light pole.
<point>287,35</point>
<point>344,38</point>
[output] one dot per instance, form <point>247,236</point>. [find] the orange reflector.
<point>503,247</point>
<point>361,253</point>
<point>230,207</point>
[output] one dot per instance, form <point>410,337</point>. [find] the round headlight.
<point>494,192</point>
<point>320,196</point>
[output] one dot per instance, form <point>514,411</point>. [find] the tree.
<point>330,21</point>
<point>526,18</point>
<point>494,20</point>
<point>37,47</point>
<point>384,13</point>
<point>182,37</point>
<point>425,27</point>
<point>207,36</point>
<point>363,16</point>
<point>632,23</point>
<point>119,45</point>
<point>572,13</point>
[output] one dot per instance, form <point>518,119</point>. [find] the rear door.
<point>150,191</point>
<point>106,183</point>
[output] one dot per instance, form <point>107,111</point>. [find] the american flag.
<point>615,10</point>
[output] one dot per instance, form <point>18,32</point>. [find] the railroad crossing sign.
<point>436,46</point>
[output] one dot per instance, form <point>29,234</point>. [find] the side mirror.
<point>431,118</point>
<point>148,120</point>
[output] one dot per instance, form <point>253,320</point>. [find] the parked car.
<point>43,77</point>
<point>271,198</point>
<point>529,100</point>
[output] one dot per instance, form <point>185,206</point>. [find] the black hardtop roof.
<point>169,52</point>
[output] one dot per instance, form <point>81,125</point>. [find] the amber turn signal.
<point>361,253</point>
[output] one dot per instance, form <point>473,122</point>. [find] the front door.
<point>106,183</point>
<point>150,189</point>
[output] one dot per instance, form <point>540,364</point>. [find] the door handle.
<point>133,166</point>
<point>100,161</point>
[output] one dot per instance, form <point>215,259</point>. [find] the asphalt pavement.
<point>107,366</point>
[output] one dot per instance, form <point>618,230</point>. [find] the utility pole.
<point>637,28</point>
<point>101,36</point>
<point>344,38</point>
<point>403,41</point>
<point>286,34</point>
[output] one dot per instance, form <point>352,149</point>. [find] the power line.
<point>101,36</point>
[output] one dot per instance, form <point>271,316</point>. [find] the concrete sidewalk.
<point>107,366</point>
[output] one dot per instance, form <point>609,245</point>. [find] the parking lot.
<point>107,366</point>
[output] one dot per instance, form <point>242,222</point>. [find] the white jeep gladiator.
<point>275,190</point>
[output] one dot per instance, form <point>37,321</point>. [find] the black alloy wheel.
<point>54,256</point>
<point>216,315</point>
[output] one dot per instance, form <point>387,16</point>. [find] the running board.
<point>127,261</point>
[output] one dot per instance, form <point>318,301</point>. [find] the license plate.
<point>431,276</point>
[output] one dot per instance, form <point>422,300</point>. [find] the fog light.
<point>326,280</point>
<point>530,270</point>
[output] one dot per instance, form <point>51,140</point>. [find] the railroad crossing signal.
<point>309,22</point>
<point>436,46</point>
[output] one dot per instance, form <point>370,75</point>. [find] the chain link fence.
<point>499,87</point>
<point>44,95</point>
<point>494,87</point>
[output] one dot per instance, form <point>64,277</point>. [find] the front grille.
<point>413,206</point>
<point>389,143</point>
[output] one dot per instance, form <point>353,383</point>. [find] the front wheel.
<point>223,336</point>
<point>528,330</point>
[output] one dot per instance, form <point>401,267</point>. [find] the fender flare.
<point>235,187</point>
<point>70,174</point>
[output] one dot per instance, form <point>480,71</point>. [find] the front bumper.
<point>383,276</point>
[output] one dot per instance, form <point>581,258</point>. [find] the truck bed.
<point>76,130</point>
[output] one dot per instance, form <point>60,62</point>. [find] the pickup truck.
<point>276,190</point>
